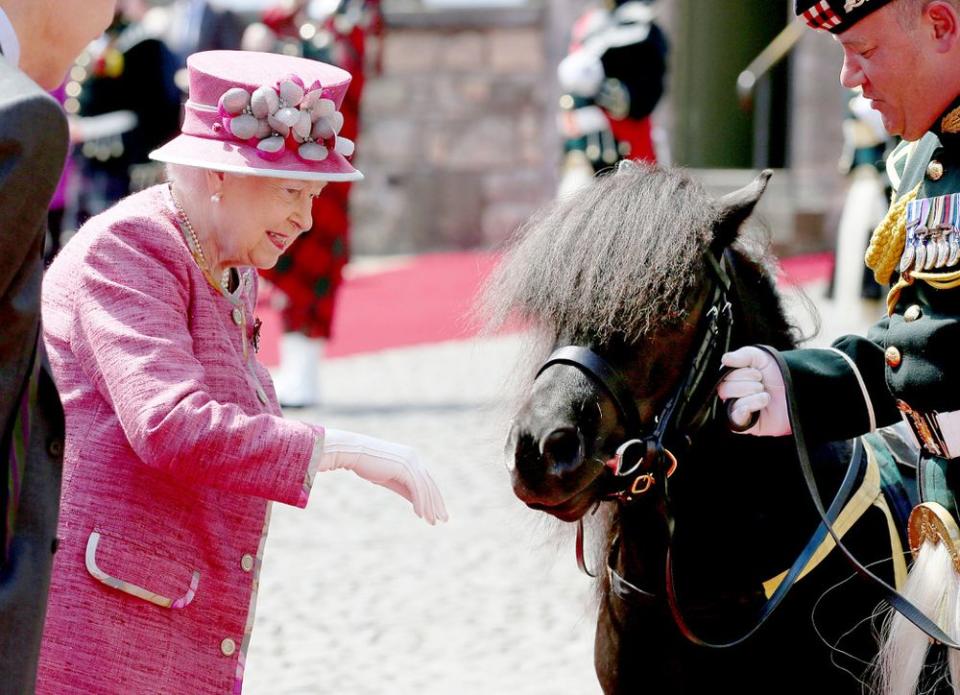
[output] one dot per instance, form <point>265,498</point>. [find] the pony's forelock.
<point>619,258</point>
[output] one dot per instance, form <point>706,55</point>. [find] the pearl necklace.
<point>199,256</point>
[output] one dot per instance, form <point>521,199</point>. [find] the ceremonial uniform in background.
<point>129,69</point>
<point>192,26</point>
<point>865,146</point>
<point>613,78</point>
<point>309,275</point>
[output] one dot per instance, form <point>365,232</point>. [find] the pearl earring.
<point>216,197</point>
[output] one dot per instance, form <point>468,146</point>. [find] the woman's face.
<point>258,218</point>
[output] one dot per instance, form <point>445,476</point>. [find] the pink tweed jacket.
<point>175,445</point>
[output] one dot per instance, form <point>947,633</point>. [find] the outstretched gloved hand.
<point>757,386</point>
<point>394,466</point>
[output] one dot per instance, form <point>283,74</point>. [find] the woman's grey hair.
<point>186,177</point>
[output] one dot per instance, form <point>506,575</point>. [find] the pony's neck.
<point>707,479</point>
<point>758,314</point>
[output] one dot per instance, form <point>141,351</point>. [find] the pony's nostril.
<point>564,445</point>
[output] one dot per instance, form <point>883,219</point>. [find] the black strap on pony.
<point>900,603</point>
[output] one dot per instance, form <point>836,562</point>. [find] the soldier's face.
<point>895,66</point>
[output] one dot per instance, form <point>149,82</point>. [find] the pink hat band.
<point>282,109</point>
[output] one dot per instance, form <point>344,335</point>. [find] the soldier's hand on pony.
<point>756,385</point>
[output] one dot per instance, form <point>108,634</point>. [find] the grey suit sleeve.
<point>33,149</point>
<point>33,144</point>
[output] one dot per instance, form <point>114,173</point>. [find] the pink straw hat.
<point>263,114</point>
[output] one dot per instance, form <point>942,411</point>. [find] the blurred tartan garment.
<point>310,273</point>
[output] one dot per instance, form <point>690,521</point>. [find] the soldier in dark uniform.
<point>905,55</point>
<point>612,78</point>
<point>128,69</point>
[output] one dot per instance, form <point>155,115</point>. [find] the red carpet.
<point>427,300</point>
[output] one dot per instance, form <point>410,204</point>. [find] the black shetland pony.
<point>640,281</point>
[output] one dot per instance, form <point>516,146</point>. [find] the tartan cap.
<point>836,16</point>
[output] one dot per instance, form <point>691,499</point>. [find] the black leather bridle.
<point>643,461</point>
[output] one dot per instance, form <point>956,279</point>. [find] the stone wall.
<point>457,138</point>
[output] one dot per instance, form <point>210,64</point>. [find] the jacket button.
<point>228,647</point>
<point>261,395</point>
<point>893,356</point>
<point>934,170</point>
<point>237,314</point>
<point>246,562</point>
<point>912,313</point>
<point>55,448</point>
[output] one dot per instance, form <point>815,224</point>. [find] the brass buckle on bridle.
<point>644,482</point>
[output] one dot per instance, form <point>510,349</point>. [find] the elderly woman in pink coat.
<point>175,443</point>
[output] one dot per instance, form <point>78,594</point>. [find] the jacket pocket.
<point>135,570</point>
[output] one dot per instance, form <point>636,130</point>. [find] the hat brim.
<point>240,158</point>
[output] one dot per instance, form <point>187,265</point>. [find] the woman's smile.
<point>278,240</point>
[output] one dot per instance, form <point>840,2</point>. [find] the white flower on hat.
<point>285,116</point>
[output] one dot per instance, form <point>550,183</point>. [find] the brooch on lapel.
<point>255,335</point>
<point>933,234</point>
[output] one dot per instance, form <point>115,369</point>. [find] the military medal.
<point>939,249</point>
<point>954,233</point>
<point>921,234</point>
<point>933,234</point>
<point>910,243</point>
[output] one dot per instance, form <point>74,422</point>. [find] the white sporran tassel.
<point>933,586</point>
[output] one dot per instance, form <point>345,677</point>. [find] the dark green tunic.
<point>914,354</point>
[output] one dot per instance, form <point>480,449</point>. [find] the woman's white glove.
<point>394,466</point>
<point>757,386</point>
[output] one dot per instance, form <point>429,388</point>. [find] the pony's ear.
<point>735,208</point>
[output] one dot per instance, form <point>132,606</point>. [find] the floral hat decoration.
<point>263,114</point>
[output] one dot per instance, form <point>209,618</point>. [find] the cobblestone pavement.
<point>359,597</point>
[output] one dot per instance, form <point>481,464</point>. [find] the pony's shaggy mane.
<point>620,258</point>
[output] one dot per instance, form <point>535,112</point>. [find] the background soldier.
<point>612,79</point>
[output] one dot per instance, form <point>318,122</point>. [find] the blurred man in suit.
<point>199,25</point>
<point>38,40</point>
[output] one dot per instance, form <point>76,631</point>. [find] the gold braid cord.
<point>886,244</point>
<point>886,247</point>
